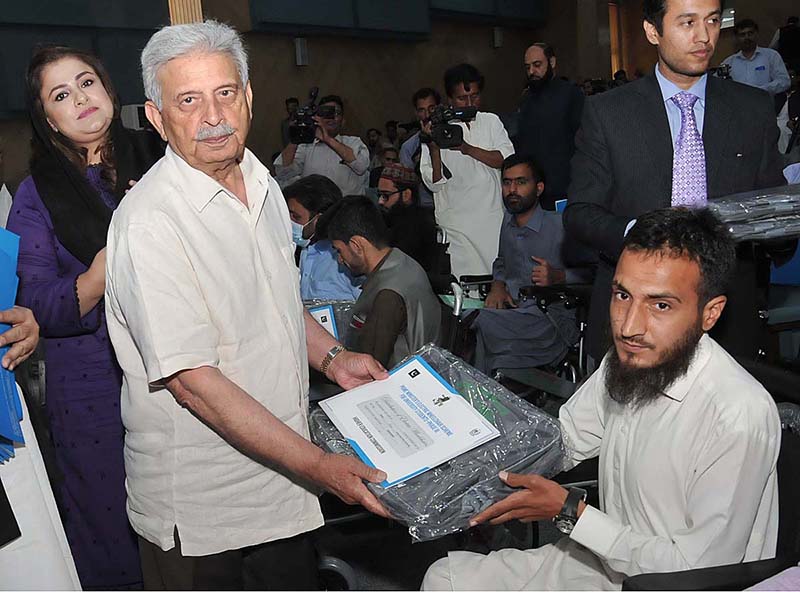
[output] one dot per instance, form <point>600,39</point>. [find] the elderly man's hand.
<point>344,477</point>
<point>350,370</point>
<point>23,336</point>
<point>540,499</point>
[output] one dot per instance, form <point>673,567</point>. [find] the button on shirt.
<point>687,481</point>
<point>670,89</point>
<point>765,70</point>
<point>318,158</point>
<point>196,278</point>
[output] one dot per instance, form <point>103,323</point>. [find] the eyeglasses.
<point>385,195</point>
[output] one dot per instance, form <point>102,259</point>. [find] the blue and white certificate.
<point>409,423</point>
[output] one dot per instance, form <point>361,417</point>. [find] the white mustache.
<point>216,131</point>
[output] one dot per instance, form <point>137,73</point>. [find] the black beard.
<point>525,204</point>
<point>638,387</point>
<point>536,84</point>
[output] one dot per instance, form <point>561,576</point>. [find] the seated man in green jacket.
<point>397,311</point>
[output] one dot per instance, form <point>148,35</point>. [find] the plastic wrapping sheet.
<point>785,227</point>
<point>790,417</point>
<point>442,500</point>
<point>761,215</point>
<point>755,205</point>
<point>342,313</point>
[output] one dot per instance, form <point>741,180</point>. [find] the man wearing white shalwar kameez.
<point>688,443</point>
<point>465,181</point>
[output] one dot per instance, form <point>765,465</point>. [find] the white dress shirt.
<point>765,69</point>
<point>320,159</point>
<point>687,481</point>
<point>469,203</point>
<point>196,278</point>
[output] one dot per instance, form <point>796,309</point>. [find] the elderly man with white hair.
<point>205,315</point>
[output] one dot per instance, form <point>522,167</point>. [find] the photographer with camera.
<point>343,159</point>
<point>462,153</point>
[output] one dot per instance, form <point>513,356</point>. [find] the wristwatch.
<point>326,361</point>
<point>566,519</point>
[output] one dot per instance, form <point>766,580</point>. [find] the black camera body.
<point>722,71</point>
<point>302,129</point>
<point>444,133</point>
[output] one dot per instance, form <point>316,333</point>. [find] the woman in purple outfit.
<point>83,161</point>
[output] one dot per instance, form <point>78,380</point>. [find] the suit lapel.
<point>654,128</point>
<point>716,129</point>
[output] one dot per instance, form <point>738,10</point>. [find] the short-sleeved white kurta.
<point>196,278</point>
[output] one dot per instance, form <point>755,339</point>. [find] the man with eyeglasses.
<point>343,159</point>
<point>465,180</point>
<point>411,228</point>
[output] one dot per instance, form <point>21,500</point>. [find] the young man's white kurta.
<point>469,204</point>
<point>195,278</point>
<point>686,481</point>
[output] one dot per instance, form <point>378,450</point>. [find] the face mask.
<point>297,235</point>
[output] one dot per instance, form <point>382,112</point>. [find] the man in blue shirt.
<point>756,66</point>
<point>512,334</point>
<point>321,275</point>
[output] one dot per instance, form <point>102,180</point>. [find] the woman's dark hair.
<point>465,74</point>
<point>694,233</point>
<point>315,193</point>
<point>49,54</point>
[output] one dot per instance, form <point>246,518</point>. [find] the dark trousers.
<point>286,564</point>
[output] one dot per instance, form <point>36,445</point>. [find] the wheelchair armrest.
<point>737,576</point>
<point>570,295</point>
<point>476,279</point>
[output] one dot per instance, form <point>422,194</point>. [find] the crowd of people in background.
<point>168,272</point>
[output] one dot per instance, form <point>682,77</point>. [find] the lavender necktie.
<point>689,160</point>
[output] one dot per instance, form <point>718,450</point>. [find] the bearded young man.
<point>532,250</point>
<point>549,116</point>
<point>688,441</point>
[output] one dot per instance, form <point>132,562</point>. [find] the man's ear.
<point>539,189</point>
<point>248,95</point>
<point>154,117</point>
<point>553,62</point>
<point>406,197</point>
<point>358,245</point>
<point>651,32</point>
<point>712,311</point>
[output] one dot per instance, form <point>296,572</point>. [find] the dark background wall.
<point>375,62</point>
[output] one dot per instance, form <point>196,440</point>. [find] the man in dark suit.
<point>675,137</point>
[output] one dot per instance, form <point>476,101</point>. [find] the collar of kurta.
<point>683,385</point>
<point>200,189</point>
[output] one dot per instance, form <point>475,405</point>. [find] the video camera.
<point>721,71</point>
<point>444,133</point>
<point>302,129</point>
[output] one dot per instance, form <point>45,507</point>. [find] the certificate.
<point>324,316</point>
<point>409,423</point>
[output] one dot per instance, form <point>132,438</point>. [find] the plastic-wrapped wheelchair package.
<point>342,313</point>
<point>442,500</point>
<point>762,214</point>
